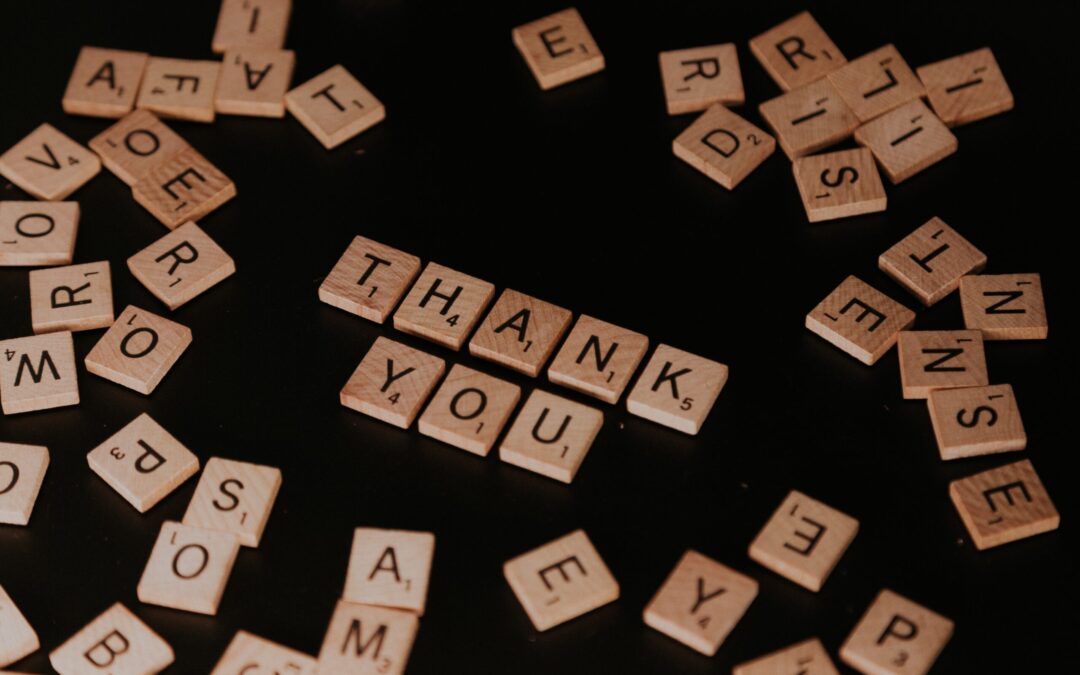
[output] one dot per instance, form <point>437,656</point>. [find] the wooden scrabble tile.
<point>930,261</point>
<point>809,119</point>
<point>251,654</point>
<point>334,107</point>
<point>369,279</point>
<point>723,146</point>
<point>966,88</point>
<point>143,462</point>
<point>136,144</point>
<point>38,373</point>
<point>839,185</point>
<point>677,389</point>
<point>797,52</point>
<point>116,640</point>
<point>247,24</point>
<point>389,568</point>
<point>520,332</point>
<point>48,165</point>
<point>443,306</point>
<point>22,470</point>
<point>875,83</point>
<point>37,234</point>
<point>184,187</point>
<point>598,358</point>
<point>254,82</point>
<point>180,88</point>
<point>940,359</point>
<point>694,79</point>
<point>1005,504</point>
<point>469,410</point>
<point>392,382</point>
<point>366,640</point>
<point>976,421</point>
<point>907,140</point>
<point>551,436</point>
<point>896,637</point>
<point>805,658</point>
<point>188,568</point>
<point>17,636</point>
<point>558,48</point>
<point>75,297</point>
<point>234,497</point>
<point>104,82</point>
<point>700,602</point>
<point>181,265</point>
<point>138,349</point>
<point>860,320</point>
<point>804,540</point>
<point>1005,306</point>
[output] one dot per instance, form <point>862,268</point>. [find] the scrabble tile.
<point>561,580</point>
<point>116,640</point>
<point>839,185</point>
<point>143,462</point>
<point>389,568</point>
<point>797,52</point>
<point>930,261</point>
<point>1003,505</point>
<point>104,82</point>
<point>598,358</point>
<point>907,140</point>
<point>805,658</point>
<point>469,410</point>
<point>803,540</point>
<point>48,165</point>
<point>723,146</point>
<point>38,373</point>
<point>37,234</point>
<point>365,640</point>
<point>860,320</point>
<point>247,24</point>
<point>17,636</point>
<point>551,436</point>
<point>22,470</point>
<point>234,497</point>
<point>369,279</point>
<point>184,187</point>
<point>809,118</point>
<point>254,82</point>
<point>188,568</point>
<point>966,88</point>
<point>251,654</point>
<point>1005,306</point>
<point>75,297</point>
<point>940,359</point>
<point>700,602</point>
<point>392,382</point>
<point>520,332</point>
<point>976,421</point>
<point>334,107</point>
<point>558,48</point>
<point>136,144</point>
<point>896,636</point>
<point>443,306</point>
<point>694,79</point>
<point>138,349</point>
<point>181,265</point>
<point>875,83</point>
<point>677,389</point>
<point>180,88</point>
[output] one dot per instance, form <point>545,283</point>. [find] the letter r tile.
<point>392,382</point>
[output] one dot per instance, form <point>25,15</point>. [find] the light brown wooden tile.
<point>598,358</point>
<point>48,165</point>
<point>694,79</point>
<point>677,389</point>
<point>17,636</point>
<point>389,568</point>
<point>74,297</point>
<point>334,106</point>
<point>700,602</point>
<point>104,82</point>
<point>143,462</point>
<point>896,637</point>
<point>930,261</point>
<point>940,359</point>
<point>249,654</point>
<point>809,119</point>
<point>561,580</point>
<point>876,83</point>
<point>907,140</point>
<point>723,146</point>
<point>180,88</point>
<point>1003,505</point>
<point>1005,306</point>
<point>551,436</point>
<point>37,234</point>
<point>797,52</point>
<point>839,185</point>
<point>247,24</point>
<point>976,421</point>
<point>234,497</point>
<point>805,658</point>
<point>138,349</point>
<point>254,82</point>
<point>966,88</point>
<point>136,144</point>
<point>38,373</point>
<point>520,332</point>
<point>443,306</point>
<point>116,640</point>
<point>369,279</point>
<point>469,410</point>
<point>188,568</point>
<point>366,640</point>
<point>804,540</point>
<point>860,320</point>
<point>558,48</point>
<point>392,382</point>
<point>181,265</point>
<point>184,187</point>
<point>22,470</point>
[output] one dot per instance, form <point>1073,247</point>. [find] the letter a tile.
<point>1005,306</point>
<point>188,568</point>
<point>37,234</point>
<point>181,265</point>
<point>797,52</point>
<point>104,82</point>
<point>334,107</point>
<point>256,655</point>
<point>896,637</point>
<point>677,389</point>
<point>38,373</point>
<point>184,187</point>
<point>723,146</point>
<point>930,261</point>
<point>551,436</point>
<point>558,48</point>
<point>860,320</point>
<point>469,410</point>
<point>389,568</point>
<point>22,470</point>
<point>520,332</point>
<point>392,382</point>
<point>116,640</point>
<point>369,279</point>
<point>805,658</point>
<point>966,88</point>
<point>17,636</point>
<point>366,640</point>
<point>49,165</point>
<point>234,497</point>
<point>1003,505</point>
<point>940,359</point>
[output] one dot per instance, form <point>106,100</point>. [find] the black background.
<point>573,196</point>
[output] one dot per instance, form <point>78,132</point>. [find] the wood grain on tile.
<point>598,358</point>
<point>1005,306</point>
<point>805,658</point>
<point>694,79</point>
<point>334,107</point>
<point>723,146</point>
<point>389,568</point>
<point>369,279</point>
<point>677,389</point>
<point>104,82</point>
<point>558,48</point>
<point>48,165</point>
<point>116,642</point>
<point>469,410</point>
<point>975,421</point>
<point>1003,505</point>
<point>520,332</point>
<point>366,640</point>
<point>188,568</point>
<point>250,654</point>
<point>877,82</point>
<point>184,187</point>
<point>796,52</point>
<point>234,497</point>
<point>38,373</point>
<point>392,382</point>
<point>930,261</point>
<point>181,265</point>
<point>966,88</point>
<point>37,234</point>
<point>940,359</point>
<point>138,349</point>
<point>254,82</point>
<point>896,637</point>
<point>551,436</point>
<point>860,320</point>
<point>136,144</point>
<point>443,306</point>
<point>907,140</point>
<point>74,297</point>
<point>809,118</point>
<point>839,185</point>
<point>180,88</point>
<point>251,24</point>
<point>22,470</point>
